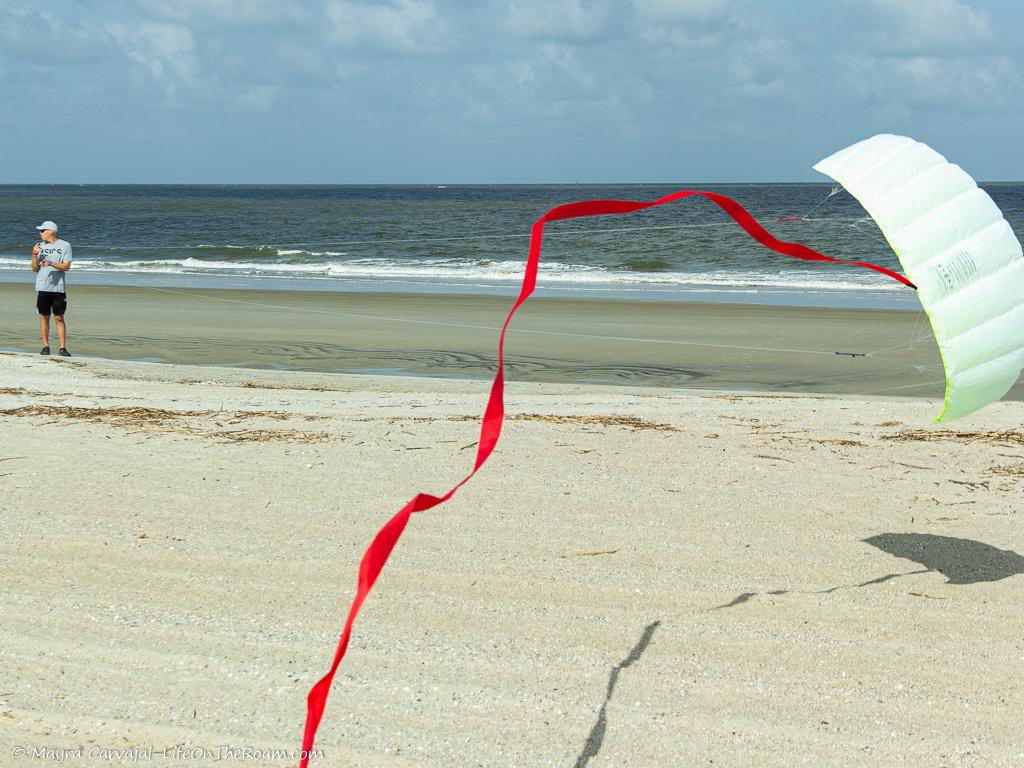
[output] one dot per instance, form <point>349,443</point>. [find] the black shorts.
<point>51,301</point>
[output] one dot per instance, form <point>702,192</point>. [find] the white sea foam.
<point>498,273</point>
<point>299,252</point>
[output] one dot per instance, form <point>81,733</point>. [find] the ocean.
<point>462,239</point>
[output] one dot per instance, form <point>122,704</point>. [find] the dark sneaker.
<point>44,351</point>
<point>64,352</point>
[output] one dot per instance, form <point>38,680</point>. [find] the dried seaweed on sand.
<point>163,420</point>
<point>1009,437</point>
<point>629,422</point>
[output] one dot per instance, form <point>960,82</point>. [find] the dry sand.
<point>638,577</point>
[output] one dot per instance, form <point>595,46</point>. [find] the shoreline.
<point>839,298</point>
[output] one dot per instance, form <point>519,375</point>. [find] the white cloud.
<point>402,26</point>
<point>521,70</point>
<point>682,39</point>
<point>762,67</point>
<point>928,26</point>
<point>562,62</point>
<point>703,11</point>
<point>166,51</point>
<point>230,12</point>
<point>931,82</point>
<point>42,37</point>
<point>558,19</point>
<point>688,26</point>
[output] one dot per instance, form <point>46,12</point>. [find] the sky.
<point>499,91</point>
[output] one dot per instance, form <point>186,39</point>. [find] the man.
<point>51,259</point>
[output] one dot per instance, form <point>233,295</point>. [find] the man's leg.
<point>61,331</point>
<point>43,307</point>
<point>44,329</point>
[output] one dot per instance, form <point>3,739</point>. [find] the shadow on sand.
<point>596,737</point>
<point>961,561</point>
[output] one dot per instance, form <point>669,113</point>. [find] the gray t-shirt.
<point>51,278</point>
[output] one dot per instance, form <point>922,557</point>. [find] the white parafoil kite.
<point>959,251</point>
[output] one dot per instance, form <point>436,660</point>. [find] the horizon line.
<point>434,184</point>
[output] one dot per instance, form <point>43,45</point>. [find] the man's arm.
<point>65,265</point>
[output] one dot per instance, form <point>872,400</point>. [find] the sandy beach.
<point>757,553</point>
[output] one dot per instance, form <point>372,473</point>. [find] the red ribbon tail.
<point>384,542</point>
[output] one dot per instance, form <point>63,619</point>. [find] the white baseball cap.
<point>47,225</point>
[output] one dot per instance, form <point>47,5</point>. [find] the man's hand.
<point>35,249</point>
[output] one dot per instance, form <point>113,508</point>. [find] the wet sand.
<point>668,344</point>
